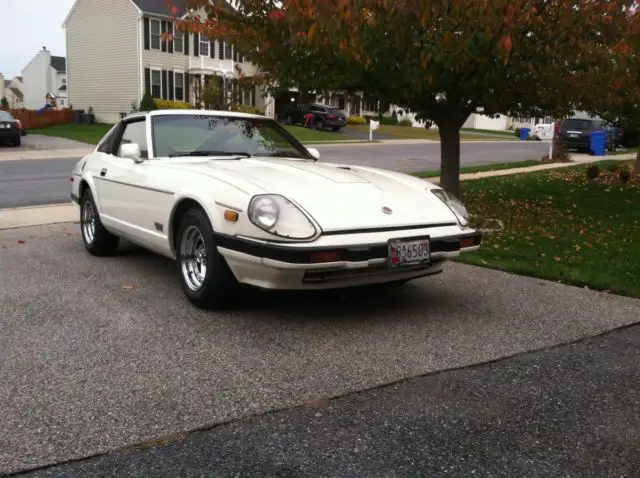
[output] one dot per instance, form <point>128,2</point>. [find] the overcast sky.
<point>27,26</point>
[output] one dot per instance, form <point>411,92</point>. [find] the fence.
<point>35,119</point>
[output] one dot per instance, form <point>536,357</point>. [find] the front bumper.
<point>363,258</point>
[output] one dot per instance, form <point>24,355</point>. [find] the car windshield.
<point>4,116</point>
<point>202,134</point>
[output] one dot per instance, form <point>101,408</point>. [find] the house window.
<point>64,81</point>
<point>178,40</point>
<point>178,82</point>
<point>204,46</point>
<point>228,51</point>
<point>156,84</point>
<point>247,96</point>
<point>155,34</point>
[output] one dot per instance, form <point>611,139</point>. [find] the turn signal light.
<point>328,256</point>
<point>467,242</point>
<point>231,216</point>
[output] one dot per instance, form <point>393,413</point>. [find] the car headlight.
<point>279,216</point>
<point>456,206</point>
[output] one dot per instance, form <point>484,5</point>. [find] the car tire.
<point>212,287</point>
<point>319,124</point>
<point>97,240</point>
<point>18,140</point>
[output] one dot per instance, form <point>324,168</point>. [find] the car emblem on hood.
<point>387,210</point>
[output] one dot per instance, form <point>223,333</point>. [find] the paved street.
<point>46,181</point>
<point>101,354</point>
<point>569,411</point>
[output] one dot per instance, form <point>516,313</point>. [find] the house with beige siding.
<point>118,49</point>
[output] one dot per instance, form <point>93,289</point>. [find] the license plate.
<point>573,135</point>
<point>405,252</point>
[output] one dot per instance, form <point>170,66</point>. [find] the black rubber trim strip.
<point>387,229</point>
<point>302,255</point>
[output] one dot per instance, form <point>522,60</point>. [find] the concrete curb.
<point>44,154</point>
<point>38,215</point>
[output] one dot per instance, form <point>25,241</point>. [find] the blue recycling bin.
<point>599,143</point>
<point>524,134</point>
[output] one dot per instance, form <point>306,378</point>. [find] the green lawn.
<point>92,133</point>
<point>559,225</point>
<point>407,132</point>
<point>484,167</point>
<point>87,133</point>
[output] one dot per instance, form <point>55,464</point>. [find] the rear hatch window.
<point>334,112</point>
<point>576,125</point>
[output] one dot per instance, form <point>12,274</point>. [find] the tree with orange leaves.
<point>441,59</point>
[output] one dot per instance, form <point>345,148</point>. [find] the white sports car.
<point>235,198</point>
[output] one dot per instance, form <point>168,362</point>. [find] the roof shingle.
<point>59,63</point>
<point>160,7</point>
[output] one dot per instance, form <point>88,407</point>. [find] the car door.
<point>130,202</point>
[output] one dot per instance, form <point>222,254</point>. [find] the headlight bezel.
<point>455,205</point>
<point>272,230</point>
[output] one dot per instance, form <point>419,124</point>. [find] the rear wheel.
<point>205,276</point>
<point>97,240</point>
<point>319,124</point>
<point>18,140</point>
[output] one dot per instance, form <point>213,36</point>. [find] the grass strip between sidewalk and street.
<point>560,225</point>
<point>483,167</point>
<point>92,133</point>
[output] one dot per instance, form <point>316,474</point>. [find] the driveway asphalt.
<point>569,411</point>
<point>100,354</point>
<point>34,142</point>
<point>46,181</point>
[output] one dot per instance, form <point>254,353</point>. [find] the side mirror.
<point>314,152</point>
<point>131,151</point>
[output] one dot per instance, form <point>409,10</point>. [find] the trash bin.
<point>599,143</point>
<point>524,134</point>
<point>78,116</point>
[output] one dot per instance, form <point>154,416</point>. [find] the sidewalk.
<point>25,154</point>
<point>576,160</point>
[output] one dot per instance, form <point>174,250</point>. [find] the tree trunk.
<point>638,156</point>
<point>450,156</point>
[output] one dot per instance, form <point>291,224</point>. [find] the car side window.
<point>104,146</point>
<point>135,132</point>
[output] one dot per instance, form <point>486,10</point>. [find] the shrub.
<point>624,175</point>
<point>405,122</point>
<point>254,110</point>
<point>517,132</point>
<point>593,172</point>
<point>356,120</point>
<point>172,105</point>
<point>4,103</point>
<point>147,103</point>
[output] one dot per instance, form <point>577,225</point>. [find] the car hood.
<point>338,197</point>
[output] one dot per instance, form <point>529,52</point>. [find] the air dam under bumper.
<point>363,258</point>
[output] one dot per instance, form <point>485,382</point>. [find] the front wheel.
<point>205,276</point>
<point>97,240</point>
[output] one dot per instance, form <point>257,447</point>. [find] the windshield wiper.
<point>278,154</point>
<point>209,153</point>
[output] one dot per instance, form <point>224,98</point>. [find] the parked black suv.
<point>10,128</point>
<point>575,133</point>
<point>324,116</point>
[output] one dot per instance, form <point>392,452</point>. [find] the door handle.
<point>103,172</point>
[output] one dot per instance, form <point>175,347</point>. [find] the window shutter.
<point>212,49</point>
<point>165,84</point>
<point>235,55</point>
<point>170,30</point>
<point>163,31</point>
<point>145,22</point>
<point>187,86</point>
<point>196,44</point>
<point>186,43</point>
<point>221,49</point>
<point>171,85</point>
<point>147,80</point>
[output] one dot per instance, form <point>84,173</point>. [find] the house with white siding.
<point>118,49</point>
<point>44,77</point>
<point>12,91</point>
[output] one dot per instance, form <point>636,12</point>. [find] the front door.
<point>130,202</point>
